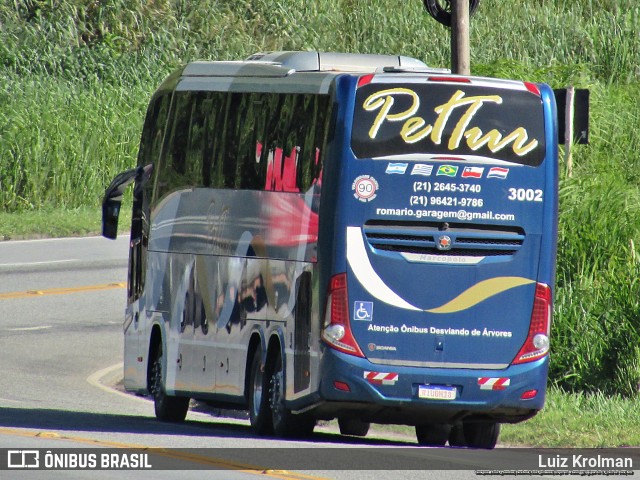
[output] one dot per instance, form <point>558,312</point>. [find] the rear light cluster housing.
<point>536,345</point>
<point>337,329</point>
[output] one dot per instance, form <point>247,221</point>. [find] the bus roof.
<point>282,64</point>
<point>308,72</point>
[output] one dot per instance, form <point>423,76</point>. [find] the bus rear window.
<point>452,119</point>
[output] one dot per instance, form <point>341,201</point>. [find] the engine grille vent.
<point>425,238</point>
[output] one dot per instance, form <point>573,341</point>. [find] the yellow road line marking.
<point>96,379</point>
<point>177,454</point>
<point>61,291</point>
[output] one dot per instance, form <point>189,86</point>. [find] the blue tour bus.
<point>337,236</point>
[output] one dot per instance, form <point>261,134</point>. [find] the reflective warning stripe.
<point>490,383</point>
<point>380,378</point>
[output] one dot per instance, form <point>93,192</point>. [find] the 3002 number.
<point>525,194</point>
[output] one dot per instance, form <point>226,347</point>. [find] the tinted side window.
<point>173,162</point>
<point>180,133</point>
<point>197,132</point>
<point>254,141</point>
<point>153,129</point>
<point>293,141</point>
<point>314,141</point>
<point>251,169</point>
<point>216,139</point>
<point>187,139</point>
<point>239,129</point>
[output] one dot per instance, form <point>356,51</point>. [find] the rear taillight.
<point>533,88</point>
<point>537,343</point>
<point>449,79</point>
<point>337,330</point>
<point>365,80</point>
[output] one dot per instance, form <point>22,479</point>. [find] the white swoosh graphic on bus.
<point>363,270</point>
<point>369,279</point>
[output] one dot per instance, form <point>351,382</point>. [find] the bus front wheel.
<point>259,413</point>
<point>167,407</point>
<point>285,423</point>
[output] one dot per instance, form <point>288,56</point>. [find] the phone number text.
<point>446,187</point>
<point>424,201</point>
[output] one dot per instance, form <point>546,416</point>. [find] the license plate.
<point>437,392</point>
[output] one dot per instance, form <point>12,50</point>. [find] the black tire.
<point>456,437</point>
<point>441,9</point>
<point>259,411</point>
<point>353,426</point>
<point>168,408</point>
<point>433,435</point>
<point>285,423</point>
<point>482,435</point>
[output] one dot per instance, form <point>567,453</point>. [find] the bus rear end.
<point>439,305</point>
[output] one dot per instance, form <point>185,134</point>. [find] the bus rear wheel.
<point>168,408</point>
<point>481,435</point>
<point>285,423</point>
<point>433,434</point>
<point>456,437</point>
<point>259,412</point>
<point>353,426</point>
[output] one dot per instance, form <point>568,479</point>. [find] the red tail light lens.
<point>337,330</point>
<point>533,88</point>
<point>537,343</point>
<point>365,80</point>
<point>342,386</point>
<point>450,79</point>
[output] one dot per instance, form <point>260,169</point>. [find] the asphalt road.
<point>61,312</point>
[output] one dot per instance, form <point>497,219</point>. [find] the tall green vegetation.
<point>60,140</point>
<point>597,315</point>
<point>75,76</point>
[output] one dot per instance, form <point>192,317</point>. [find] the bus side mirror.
<point>110,214</point>
<point>112,201</point>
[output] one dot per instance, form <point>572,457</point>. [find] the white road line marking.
<point>95,379</point>
<point>8,400</point>
<point>29,264</point>
<point>53,239</point>
<point>28,329</point>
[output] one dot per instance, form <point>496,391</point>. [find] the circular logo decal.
<point>371,346</point>
<point>365,188</point>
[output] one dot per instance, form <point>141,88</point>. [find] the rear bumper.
<point>389,394</point>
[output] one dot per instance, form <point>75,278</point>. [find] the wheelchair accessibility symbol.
<point>363,311</point>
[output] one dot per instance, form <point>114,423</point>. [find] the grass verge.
<point>568,420</point>
<point>49,223</point>
<point>578,420</point>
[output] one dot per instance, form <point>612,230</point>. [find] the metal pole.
<point>568,130</point>
<point>460,47</point>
